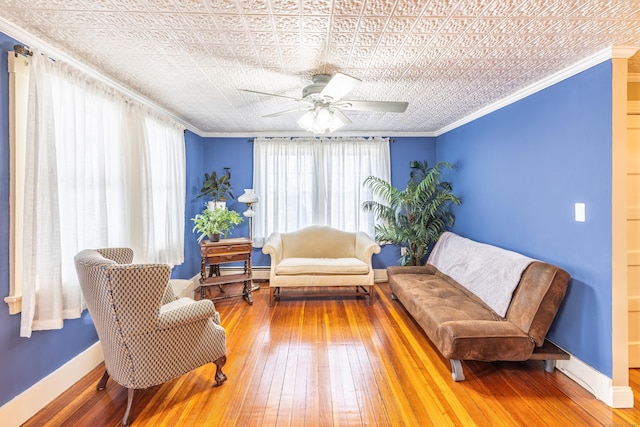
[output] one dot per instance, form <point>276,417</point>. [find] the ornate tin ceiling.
<point>447,58</point>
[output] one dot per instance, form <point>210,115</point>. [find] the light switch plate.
<point>580,212</point>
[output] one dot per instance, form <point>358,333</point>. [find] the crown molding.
<point>301,133</point>
<point>580,66</point>
<point>32,41</point>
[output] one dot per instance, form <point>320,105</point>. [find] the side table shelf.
<point>226,250</point>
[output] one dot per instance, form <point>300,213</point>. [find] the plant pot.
<point>212,205</point>
<point>214,237</point>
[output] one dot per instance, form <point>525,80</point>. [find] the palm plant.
<point>416,216</point>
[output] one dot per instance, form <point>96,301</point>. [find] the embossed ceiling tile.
<point>443,40</point>
<point>379,7</point>
<point>238,37</point>
<point>200,21</point>
<point>342,24</point>
<point>400,24</point>
<point>315,24</point>
<point>372,24</point>
<point>110,19</point>
<point>265,39</point>
<point>284,6</point>
<point>392,39</point>
<point>288,39</point>
<point>230,22</point>
<point>258,22</point>
<point>317,7</point>
<point>191,6</point>
<point>153,20</point>
<point>484,25</point>
<point>286,23</point>
<point>472,7</point>
<point>440,8</point>
<point>428,25</point>
<point>418,39</point>
<point>457,25</point>
<point>348,7</point>
<point>367,39</point>
<point>339,40</point>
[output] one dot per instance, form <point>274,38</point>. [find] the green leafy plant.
<point>215,222</point>
<point>217,187</point>
<point>416,216</point>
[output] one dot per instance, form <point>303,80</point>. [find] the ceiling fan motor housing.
<point>319,82</point>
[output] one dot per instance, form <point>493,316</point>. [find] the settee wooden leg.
<point>456,370</point>
<point>371,295</point>
<point>102,384</point>
<point>220,376</point>
<point>128,413</point>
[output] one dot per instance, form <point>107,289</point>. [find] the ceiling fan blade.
<point>269,94</point>
<point>293,110</point>
<point>343,117</point>
<point>339,86</point>
<point>378,106</point>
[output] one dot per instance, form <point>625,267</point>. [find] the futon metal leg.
<point>102,384</point>
<point>456,370</point>
<point>128,413</point>
<point>549,365</point>
<point>220,376</point>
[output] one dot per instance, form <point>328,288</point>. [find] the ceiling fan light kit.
<point>324,103</point>
<point>321,120</point>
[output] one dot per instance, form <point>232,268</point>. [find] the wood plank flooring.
<point>340,362</point>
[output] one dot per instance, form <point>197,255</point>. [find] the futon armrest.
<point>184,311</point>
<point>411,269</point>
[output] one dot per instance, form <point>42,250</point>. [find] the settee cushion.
<point>323,266</point>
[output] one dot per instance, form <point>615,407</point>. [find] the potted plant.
<point>217,187</point>
<point>416,216</point>
<point>213,223</point>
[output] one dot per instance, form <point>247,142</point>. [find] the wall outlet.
<point>403,251</point>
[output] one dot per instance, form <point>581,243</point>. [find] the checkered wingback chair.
<point>148,336</point>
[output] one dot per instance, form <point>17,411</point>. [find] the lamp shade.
<point>249,196</point>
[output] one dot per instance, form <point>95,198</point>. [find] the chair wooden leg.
<point>128,413</point>
<point>371,294</point>
<point>102,384</point>
<point>271,296</point>
<point>220,376</point>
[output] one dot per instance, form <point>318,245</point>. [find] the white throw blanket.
<point>491,273</point>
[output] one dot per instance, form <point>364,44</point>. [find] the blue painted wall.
<point>237,154</point>
<point>25,361</point>
<point>521,169</point>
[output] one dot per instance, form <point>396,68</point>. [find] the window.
<point>98,170</point>
<point>306,181</point>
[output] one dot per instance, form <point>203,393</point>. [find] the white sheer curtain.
<point>306,181</point>
<point>99,171</point>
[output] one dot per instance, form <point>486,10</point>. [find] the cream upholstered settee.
<point>320,256</point>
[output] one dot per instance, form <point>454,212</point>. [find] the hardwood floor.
<point>335,361</point>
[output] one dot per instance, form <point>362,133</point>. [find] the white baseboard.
<point>27,404</point>
<point>596,383</point>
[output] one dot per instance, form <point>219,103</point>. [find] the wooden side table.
<point>226,250</point>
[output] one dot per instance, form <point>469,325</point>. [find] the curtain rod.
<point>250,140</point>
<point>19,49</point>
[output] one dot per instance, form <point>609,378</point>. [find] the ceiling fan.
<point>324,105</point>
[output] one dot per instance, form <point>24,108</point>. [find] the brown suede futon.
<point>479,302</point>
